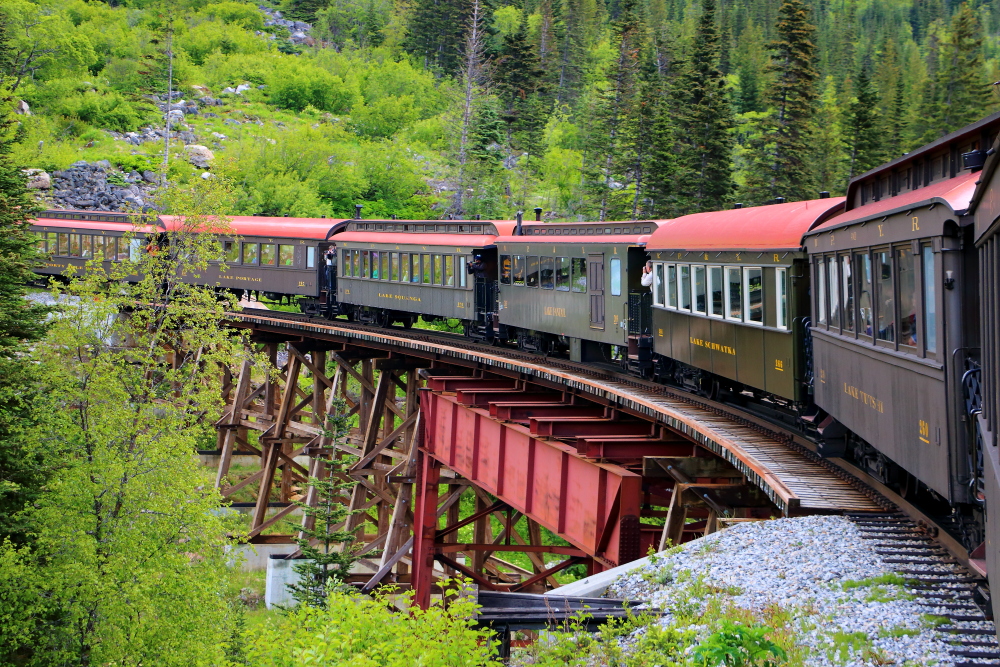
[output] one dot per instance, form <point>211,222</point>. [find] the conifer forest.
<point>590,109</point>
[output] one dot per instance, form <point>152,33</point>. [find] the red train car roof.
<point>444,238</point>
<point>122,223</point>
<point>775,227</point>
<point>279,227</point>
<point>955,192</point>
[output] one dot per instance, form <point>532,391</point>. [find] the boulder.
<point>199,155</point>
<point>201,91</point>
<point>243,86</point>
<point>22,108</point>
<point>150,176</point>
<point>38,179</point>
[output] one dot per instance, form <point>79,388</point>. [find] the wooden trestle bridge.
<point>585,453</point>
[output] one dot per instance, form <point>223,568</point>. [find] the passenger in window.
<point>647,275</point>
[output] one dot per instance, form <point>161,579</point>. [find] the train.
<point>868,322</point>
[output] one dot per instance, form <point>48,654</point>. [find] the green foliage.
<point>128,544</point>
<point>735,645</point>
<point>327,549</point>
<point>353,630</point>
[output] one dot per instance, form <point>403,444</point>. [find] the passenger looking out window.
<point>907,296</point>
<point>884,298</point>
<point>548,273</point>
<point>250,253</point>
<point>267,254</point>
<point>286,255</point>
<point>506,268</point>
<point>532,279</point>
<point>404,267</point>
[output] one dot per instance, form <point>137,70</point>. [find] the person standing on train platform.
<point>328,259</point>
<point>647,275</point>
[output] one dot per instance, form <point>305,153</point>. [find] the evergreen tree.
<point>435,33</point>
<point>781,161</point>
<point>322,541</point>
<point>609,154</point>
<point>661,165</point>
<point>519,83</point>
<point>961,90</point>
<point>704,120</point>
<point>897,124</point>
<point>830,168</point>
<point>305,10</point>
<point>864,131</point>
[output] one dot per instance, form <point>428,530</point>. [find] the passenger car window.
<point>884,299</point>
<point>86,246</point>
<point>863,267</point>
<point>834,284</point>
<point>394,266</point>
<point>74,245</point>
<point>364,264</point>
<point>659,291</point>
<point>532,280</point>
<point>414,268</point>
<point>847,289</point>
<point>671,285</point>
<point>345,266</point>
<point>579,274</point>
<point>907,290</point>
<point>716,290</point>
<point>684,286</point>
<point>311,257</point>
<point>754,288</point>
<point>562,274</point>
<point>463,270</point>
<point>404,267</point>
<point>375,273</point>
<point>249,253</point>
<point>505,269</point>
<point>384,271</point>
<point>267,253</point>
<point>616,276</point>
<point>449,270</point>
<point>821,290</point>
<point>437,270</point>
<point>518,269</point>
<point>548,273</point>
<point>63,244</point>
<point>700,289</point>
<point>426,261</point>
<point>781,297</point>
<point>734,288</point>
<point>930,296</point>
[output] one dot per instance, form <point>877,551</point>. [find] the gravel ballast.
<point>841,602</point>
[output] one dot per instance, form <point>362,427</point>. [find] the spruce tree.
<point>864,131</point>
<point>830,162</point>
<point>780,161</point>
<point>609,153</point>
<point>898,124</point>
<point>322,540</point>
<point>704,121</point>
<point>519,82</point>
<point>961,89</point>
<point>435,33</point>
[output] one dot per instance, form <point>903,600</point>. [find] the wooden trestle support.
<point>521,456</point>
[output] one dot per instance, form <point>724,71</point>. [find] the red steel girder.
<point>453,383</point>
<point>592,505</point>
<point>522,412</point>
<point>481,398</point>
<point>572,427</point>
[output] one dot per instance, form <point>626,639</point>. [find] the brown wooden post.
<point>673,528</point>
<point>229,425</point>
<point>271,445</point>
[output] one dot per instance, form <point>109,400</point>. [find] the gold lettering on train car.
<point>460,304</point>
<point>557,312</point>
<point>246,278</point>
<point>680,255</point>
<point>816,242</point>
<point>302,283</point>
<point>399,297</point>
<point>864,397</point>
<point>658,255</point>
<point>854,236</point>
<point>616,321</point>
<point>916,224</point>
<point>659,332</point>
<point>779,365</point>
<point>718,347</point>
<point>347,292</point>
<point>880,234</point>
<point>775,257</point>
<point>738,258</point>
<point>831,238</point>
<point>615,249</point>
<point>822,376</point>
<point>925,431</point>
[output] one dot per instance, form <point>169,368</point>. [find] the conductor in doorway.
<point>328,258</point>
<point>647,274</point>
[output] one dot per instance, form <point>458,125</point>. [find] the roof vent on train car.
<point>538,214</point>
<point>779,200</point>
<point>738,205</point>
<point>973,160</point>
<point>824,195</point>
<point>478,217</point>
<point>357,211</point>
<point>518,231</point>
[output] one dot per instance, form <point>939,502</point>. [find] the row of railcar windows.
<point>87,246</point>
<point>264,254</point>
<point>560,273</point>
<point>734,293</point>
<point>422,268</point>
<point>885,295</point>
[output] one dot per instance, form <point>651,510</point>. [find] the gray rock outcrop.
<point>96,186</point>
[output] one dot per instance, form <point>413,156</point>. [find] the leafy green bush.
<point>238,13</point>
<point>736,645</point>
<point>359,631</point>
<point>211,37</point>
<point>384,117</point>
<point>108,110</point>
<point>298,85</point>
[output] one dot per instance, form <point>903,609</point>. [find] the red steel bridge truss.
<point>463,455</point>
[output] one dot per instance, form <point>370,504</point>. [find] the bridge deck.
<point>796,483</point>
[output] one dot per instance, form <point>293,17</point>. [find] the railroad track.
<point>946,589</point>
<point>924,552</point>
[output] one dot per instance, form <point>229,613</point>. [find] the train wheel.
<point>408,322</point>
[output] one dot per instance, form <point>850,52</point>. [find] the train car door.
<point>595,289</point>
